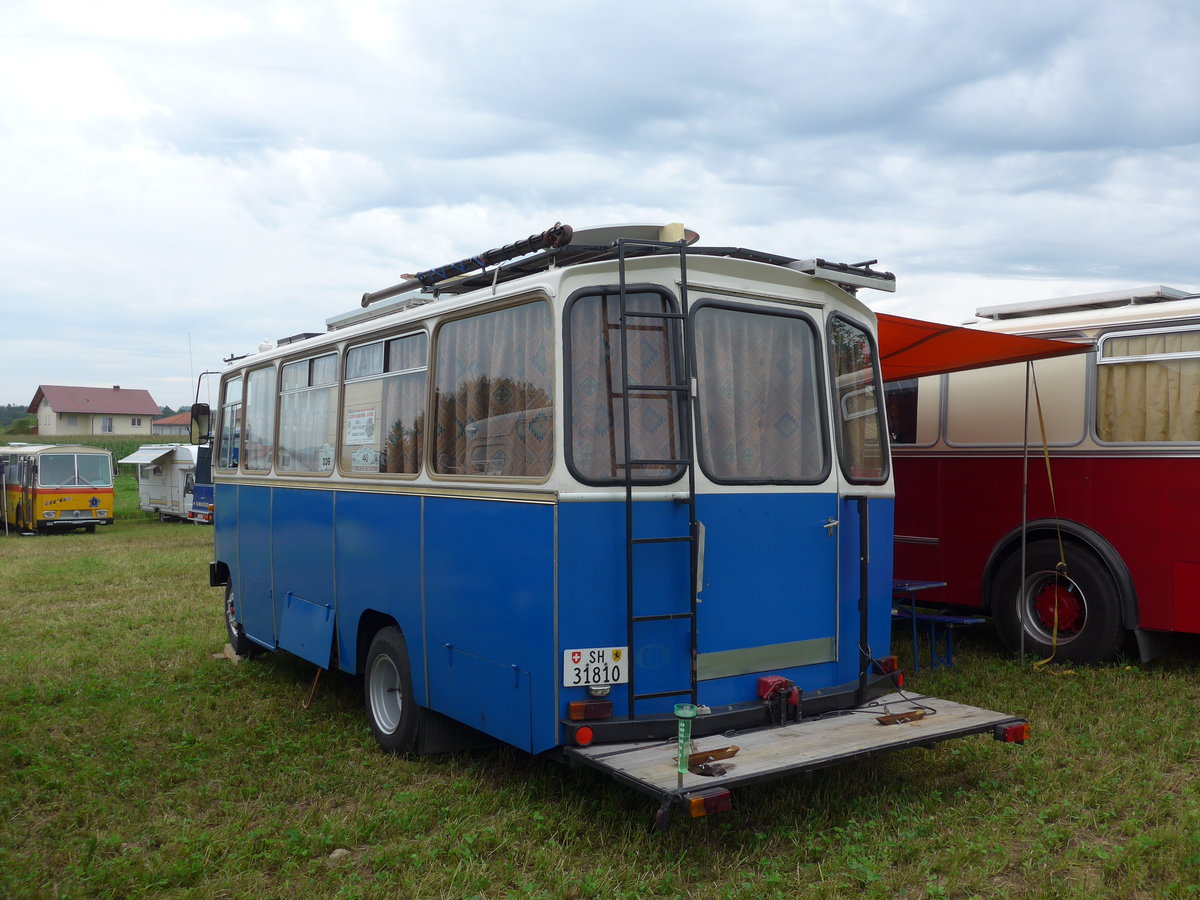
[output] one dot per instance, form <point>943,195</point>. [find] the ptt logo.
<point>58,500</point>
<point>94,502</point>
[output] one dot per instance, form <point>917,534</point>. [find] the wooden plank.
<point>801,746</point>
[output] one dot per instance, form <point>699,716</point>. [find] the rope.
<point>1061,567</point>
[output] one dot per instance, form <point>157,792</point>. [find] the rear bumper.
<point>736,717</point>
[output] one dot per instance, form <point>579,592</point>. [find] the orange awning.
<point>910,348</point>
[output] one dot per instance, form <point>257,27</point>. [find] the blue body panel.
<point>490,593</point>
<point>489,597</point>
<point>378,568</point>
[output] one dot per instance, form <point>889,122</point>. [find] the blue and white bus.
<point>562,490</point>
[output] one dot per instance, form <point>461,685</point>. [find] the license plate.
<point>595,665</point>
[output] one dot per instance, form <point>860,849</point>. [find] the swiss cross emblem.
<point>576,656</point>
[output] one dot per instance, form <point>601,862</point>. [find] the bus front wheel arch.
<point>387,687</point>
<point>1076,613</point>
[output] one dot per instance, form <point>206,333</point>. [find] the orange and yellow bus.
<point>55,487</point>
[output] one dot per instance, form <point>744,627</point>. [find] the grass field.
<point>133,763</point>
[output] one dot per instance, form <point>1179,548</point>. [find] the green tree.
<point>23,425</point>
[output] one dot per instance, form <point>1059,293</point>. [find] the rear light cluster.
<point>582,710</point>
<point>713,800</point>
<point>1014,734</point>
<point>890,665</point>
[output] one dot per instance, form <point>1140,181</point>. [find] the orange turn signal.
<point>578,710</point>
<point>710,801</point>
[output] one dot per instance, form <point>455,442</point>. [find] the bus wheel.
<point>241,644</point>
<point>389,693</point>
<point>1076,613</point>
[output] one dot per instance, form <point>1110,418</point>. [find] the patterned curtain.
<point>493,394</point>
<point>597,416</point>
<point>759,408</point>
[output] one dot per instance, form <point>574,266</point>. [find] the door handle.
<point>830,524</point>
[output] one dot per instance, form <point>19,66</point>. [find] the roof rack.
<point>562,246</point>
<point>849,275</point>
<point>1154,293</point>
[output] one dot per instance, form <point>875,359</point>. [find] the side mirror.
<point>201,422</point>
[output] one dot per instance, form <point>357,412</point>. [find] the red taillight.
<point>1014,734</point>
<point>770,685</point>
<point>899,679</point>
<point>888,664</point>
<point>578,710</point>
<point>711,801</point>
<point>583,736</point>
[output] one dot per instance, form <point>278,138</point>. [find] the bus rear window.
<point>760,415</point>
<point>597,435</point>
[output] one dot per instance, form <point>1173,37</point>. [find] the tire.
<point>387,688</point>
<point>241,644</point>
<point>1087,600</point>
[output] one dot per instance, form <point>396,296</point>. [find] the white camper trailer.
<point>166,478</point>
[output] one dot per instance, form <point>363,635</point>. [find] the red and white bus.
<point>977,509</point>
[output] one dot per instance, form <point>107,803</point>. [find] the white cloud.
<point>210,174</point>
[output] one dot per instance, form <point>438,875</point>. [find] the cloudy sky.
<point>182,180</point>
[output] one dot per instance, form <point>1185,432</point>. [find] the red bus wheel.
<point>1076,612</point>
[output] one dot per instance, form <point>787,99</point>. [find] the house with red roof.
<point>180,423</point>
<point>63,410</point>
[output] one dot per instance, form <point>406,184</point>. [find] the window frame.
<point>677,356</point>
<point>344,381</point>
<point>1092,410</point>
<point>219,432</point>
<point>880,402</point>
<point>280,392</point>
<point>430,448</point>
<point>820,374</point>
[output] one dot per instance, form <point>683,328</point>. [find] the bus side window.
<point>383,419</point>
<point>491,366</point>
<point>1146,387</point>
<point>230,424</point>
<point>901,401</point>
<point>258,420</point>
<point>308,415</point>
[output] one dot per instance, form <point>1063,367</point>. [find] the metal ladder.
<point>681,389</point>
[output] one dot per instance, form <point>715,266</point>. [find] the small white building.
<point>66,410</point>
<point>166,478</point>
<point>180,423</point>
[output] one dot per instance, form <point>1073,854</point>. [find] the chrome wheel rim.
<point>387,698</point>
